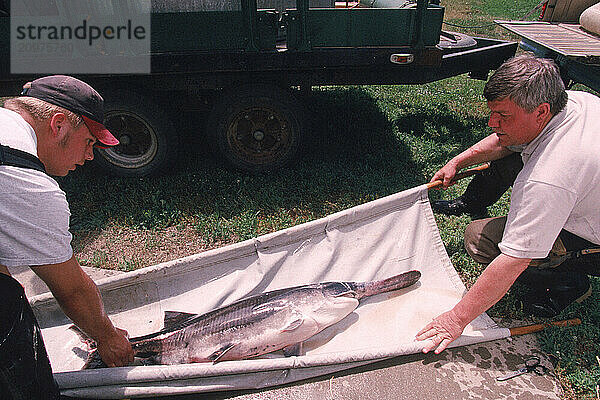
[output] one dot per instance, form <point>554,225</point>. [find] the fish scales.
<point>258,324</point>
<point>212,329</point>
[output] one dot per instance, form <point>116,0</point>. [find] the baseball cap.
<point>76,96</point>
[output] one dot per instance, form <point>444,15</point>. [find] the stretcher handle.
<point>460,175</point>
<point>589,251</point>
<point>523,330</point>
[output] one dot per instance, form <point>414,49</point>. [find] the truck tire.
<point>256,128</point>
<point>148,139</point>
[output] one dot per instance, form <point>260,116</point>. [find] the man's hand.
<point>116,350</point>
<point>446,175</point>
<point>442,331</point>
<point>493,283</point>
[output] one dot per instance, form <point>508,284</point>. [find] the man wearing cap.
<point>57,120</point>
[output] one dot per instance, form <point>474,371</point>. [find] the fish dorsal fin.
<point>217,355</point>
<point>94,361</point>
<point>176,318</point>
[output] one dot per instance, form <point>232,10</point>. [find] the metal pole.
<point>419,23</point>
<point>249,13</point>
<point>302,6</point>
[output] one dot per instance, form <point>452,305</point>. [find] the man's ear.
<point>58,125</point>
<point>543,112</point>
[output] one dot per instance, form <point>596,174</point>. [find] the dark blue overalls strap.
<point>18,158</point>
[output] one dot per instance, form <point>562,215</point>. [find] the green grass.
<point>365,142</point>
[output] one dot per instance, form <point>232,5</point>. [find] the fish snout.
<point>334,310</point>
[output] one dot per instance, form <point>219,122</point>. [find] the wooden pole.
<point>460,175</point>
<point>523,330</point>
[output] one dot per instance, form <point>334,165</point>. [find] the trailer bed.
<point>569,40</point>
<point>575,51</point>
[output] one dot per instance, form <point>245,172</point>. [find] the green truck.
<point>250,64</point>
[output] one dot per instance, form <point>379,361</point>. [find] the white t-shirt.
<point>34,213</point>
<point>559,185</point>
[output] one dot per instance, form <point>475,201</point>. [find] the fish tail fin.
<point>386,285</point>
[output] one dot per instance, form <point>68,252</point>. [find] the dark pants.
<point>25,372</point>
<point>487,187</point>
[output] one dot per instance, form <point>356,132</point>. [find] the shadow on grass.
<point>439,123</point>
<point>352,154</point>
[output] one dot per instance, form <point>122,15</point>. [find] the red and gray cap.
<point>76,96</point>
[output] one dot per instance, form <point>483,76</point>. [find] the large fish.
<point>260,324</point>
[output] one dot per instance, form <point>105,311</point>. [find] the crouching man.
<point>554,201</point>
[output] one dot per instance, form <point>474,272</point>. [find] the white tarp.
<point>372,241</point>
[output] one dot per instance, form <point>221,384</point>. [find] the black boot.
<point>459,206</point>
<point>551,291</point>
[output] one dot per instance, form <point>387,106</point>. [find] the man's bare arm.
<point>81,301</point>
<point>487,149</point>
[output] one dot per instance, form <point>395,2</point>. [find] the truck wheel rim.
<point>138,141</point>
<point>260,135</point>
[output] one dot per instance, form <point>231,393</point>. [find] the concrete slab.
<point>468,372</point>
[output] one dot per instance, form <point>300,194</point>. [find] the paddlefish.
<point>256,325</point>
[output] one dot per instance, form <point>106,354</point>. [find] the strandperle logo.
<point>80,36</point>
<point>89,33</point>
